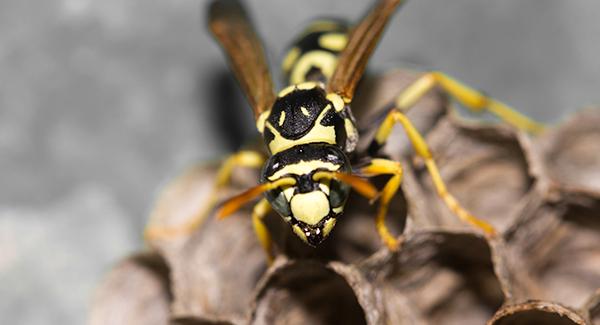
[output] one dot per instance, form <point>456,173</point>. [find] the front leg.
<point>394,117</point>
<point>260,210</point>
<point>378,167</point>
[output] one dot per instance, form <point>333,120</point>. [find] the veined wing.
<point>363,40</point>
<point>231,26</point>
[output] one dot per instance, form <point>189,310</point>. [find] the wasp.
<point>310,132</point>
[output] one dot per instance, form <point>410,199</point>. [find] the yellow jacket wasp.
<point>309,129</point>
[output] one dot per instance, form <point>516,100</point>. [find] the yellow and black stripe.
<point>311,205</point>
<point>309,129</point>
<point>314,54</point>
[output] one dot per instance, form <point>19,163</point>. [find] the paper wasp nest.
<point>542,194</point>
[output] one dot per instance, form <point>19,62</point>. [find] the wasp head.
<point>314,198</point>
<point>307,185</point>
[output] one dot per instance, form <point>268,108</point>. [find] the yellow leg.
<point>261,209</point>
<point>395,116</point>
<point>249,159</point>
<point>385,167</point>
<point>469,97</point>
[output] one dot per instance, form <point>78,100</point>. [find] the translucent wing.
<point>231,26</point>
<point>363,39</point>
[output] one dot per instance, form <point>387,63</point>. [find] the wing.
<point>363,39</point>
<point>231,26</point>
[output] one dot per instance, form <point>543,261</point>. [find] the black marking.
<point>374,148</point>
<point>306,152</point>
<point>315,74</point>
<point>309,42</point>
<point>314,234</point>
<point>296,124</point>
<point>306,184</point>
<point>268,136</point>
<point>331,118</point>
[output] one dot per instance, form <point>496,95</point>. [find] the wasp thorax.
<point>313,202</point>
<point>304,114</point>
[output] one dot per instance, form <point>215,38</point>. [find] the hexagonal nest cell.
<point>541,193</point>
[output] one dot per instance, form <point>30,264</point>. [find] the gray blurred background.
<point>101,102</point>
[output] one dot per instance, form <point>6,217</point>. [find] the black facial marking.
<point>314,234</point>
<point>305,184</point>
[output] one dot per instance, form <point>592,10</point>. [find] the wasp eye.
<point>338,193</point>
<point>279,202</point>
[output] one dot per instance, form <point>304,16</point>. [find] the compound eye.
<point>279,202</point>
<point>338,193</point>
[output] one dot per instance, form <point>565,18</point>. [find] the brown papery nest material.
<point>542,194</point>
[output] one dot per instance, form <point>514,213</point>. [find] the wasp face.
<point>313,202</point>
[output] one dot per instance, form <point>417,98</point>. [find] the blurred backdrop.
<point>101,102</point>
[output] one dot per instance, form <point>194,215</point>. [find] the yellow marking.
<point>310,85</point>
<point>352,135</point>
<point>281,118</point>
<point>337,101</point>
<point>321,25</point>
<point>328,226</point>
<point>339,209</point>
<point>318,133</point>
<point>290,59</point>
<point>333,41</point>
<point>300,233</point>
<point>303,167</point>
<point>323,60</point>
<point>288,193</point>
<point>324,185</point>
<point>286,91</point>
<point>304,111</point>
<point>260,121</point>
<point>310,207</point>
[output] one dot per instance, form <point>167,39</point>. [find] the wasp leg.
<point>467,96</point>
<point>396,116</point>
<point>249,159</point>
<point>260,210</point>
<point>385,167</point>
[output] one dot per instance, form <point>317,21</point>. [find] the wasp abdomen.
<point>313,55</point>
